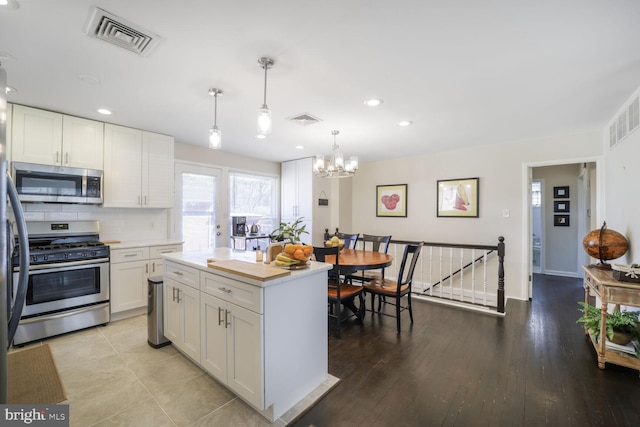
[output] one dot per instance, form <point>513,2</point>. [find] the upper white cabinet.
<point>138,168</point>
<point>49,138</point>
<point>297,193</point>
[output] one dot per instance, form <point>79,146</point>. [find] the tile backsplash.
<point>115,223</point>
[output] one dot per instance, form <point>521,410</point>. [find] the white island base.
<point>264,339</point>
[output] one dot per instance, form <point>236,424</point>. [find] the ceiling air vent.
<point>120,32</point>
<point>304,119</point>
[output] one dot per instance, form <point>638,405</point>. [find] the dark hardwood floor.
<point>454,367</point>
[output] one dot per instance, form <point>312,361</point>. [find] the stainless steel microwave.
<point>57,184</point>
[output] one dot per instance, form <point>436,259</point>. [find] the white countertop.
<point>142,243</point>
<point>198,259</point>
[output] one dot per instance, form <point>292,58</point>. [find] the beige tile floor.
<point>112,377</point>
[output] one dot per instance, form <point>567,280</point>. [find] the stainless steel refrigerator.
<point>12,296</point>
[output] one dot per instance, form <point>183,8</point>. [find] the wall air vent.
<point>120,32</point>
<point>304,119</point>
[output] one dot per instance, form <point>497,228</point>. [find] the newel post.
<point>501,274</point>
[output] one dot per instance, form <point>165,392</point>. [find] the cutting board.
<point>251,270</point>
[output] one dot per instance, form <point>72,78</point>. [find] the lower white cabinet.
<point>232,347</point>
<point>130,269</point>
<point>182,317</point>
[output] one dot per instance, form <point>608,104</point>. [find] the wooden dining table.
<point>357,260</point>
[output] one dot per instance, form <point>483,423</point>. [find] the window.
<point>536,193</point>
<point>255,197</point>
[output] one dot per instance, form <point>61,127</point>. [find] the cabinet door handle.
<point>57,156</point>
<point>177,273</point>
<point>174,293</point>
<point>225,290</point>
<point>129,255</point>
<point>146,268</point>
<point>226,318</point>
<point>66,158</point>
<point>220,320</point>
<point>140,200</point>
<point>179,292</point>
<point>153,267</point>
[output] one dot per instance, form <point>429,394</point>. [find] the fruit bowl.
<point>293,255</point>
<point>333,242</point>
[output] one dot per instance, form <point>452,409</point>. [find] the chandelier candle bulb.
<point>336,166</point>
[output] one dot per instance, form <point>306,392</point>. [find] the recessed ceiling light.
<point>299,147</point>
<point>260,136</point>
<point>9,4</point>
<point>404,123</point>
<point>8,89</point>
<point>373,102</point>
<point>89,79</point>
<point>104,111</point>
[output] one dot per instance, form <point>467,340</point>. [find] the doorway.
<point>198,221</point>
<point>559,243</point>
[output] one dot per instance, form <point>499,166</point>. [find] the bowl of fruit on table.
<point>294,256</point>
<point>333,242</point>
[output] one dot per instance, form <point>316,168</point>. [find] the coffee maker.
<point>239,225</point>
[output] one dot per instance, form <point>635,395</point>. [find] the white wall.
<point>499,168</point>
<point>621,189</point>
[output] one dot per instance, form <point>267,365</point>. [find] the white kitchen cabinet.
<point>231,338</point>
<point>130,269</point>
<point>82,143</point>
<point>138,168</point>
<point>129,273</point>
<point>45,137</point>
<point>246,328</point>
<point>182,317</point>
<point>297,193</point>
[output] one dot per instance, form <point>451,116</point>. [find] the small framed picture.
<point>561,220</point>
<point>561,206</point>
<point>391,200</point>
<point>458,198</point>
<point>561,192</point>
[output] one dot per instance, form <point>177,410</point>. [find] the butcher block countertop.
<point>242,266</point>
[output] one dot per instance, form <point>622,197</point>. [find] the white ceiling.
<point>465,72</point>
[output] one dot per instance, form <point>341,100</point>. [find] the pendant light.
<point>264,114</point>
<point>215,136</point>
<point>336,167</point>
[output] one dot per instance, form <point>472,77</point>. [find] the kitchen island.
<point>260,331</point>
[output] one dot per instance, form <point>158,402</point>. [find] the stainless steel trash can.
<point>155,327</point>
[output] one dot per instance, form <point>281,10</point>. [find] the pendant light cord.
<point>266,66</point>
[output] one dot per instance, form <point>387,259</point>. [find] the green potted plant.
<point>622,326</point>
<point>289,231</point>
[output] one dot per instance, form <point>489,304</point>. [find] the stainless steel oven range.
<point>68,287</point>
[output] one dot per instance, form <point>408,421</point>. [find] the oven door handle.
<point>57,265</point>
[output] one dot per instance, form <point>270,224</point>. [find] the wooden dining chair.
<point>370,242</point>
<point>350,240</point>
<point>395,290</point>
<point>339,292</point>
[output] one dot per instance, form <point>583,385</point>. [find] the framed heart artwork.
<point>391,200</point>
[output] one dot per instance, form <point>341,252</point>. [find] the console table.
<point>601,283</point>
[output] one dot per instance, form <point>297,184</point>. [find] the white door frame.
<point>526,278</point>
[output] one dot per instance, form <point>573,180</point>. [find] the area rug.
<point>33,377</point>
<point>305,405</point>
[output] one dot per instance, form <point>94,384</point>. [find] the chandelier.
<point>335,167</point>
